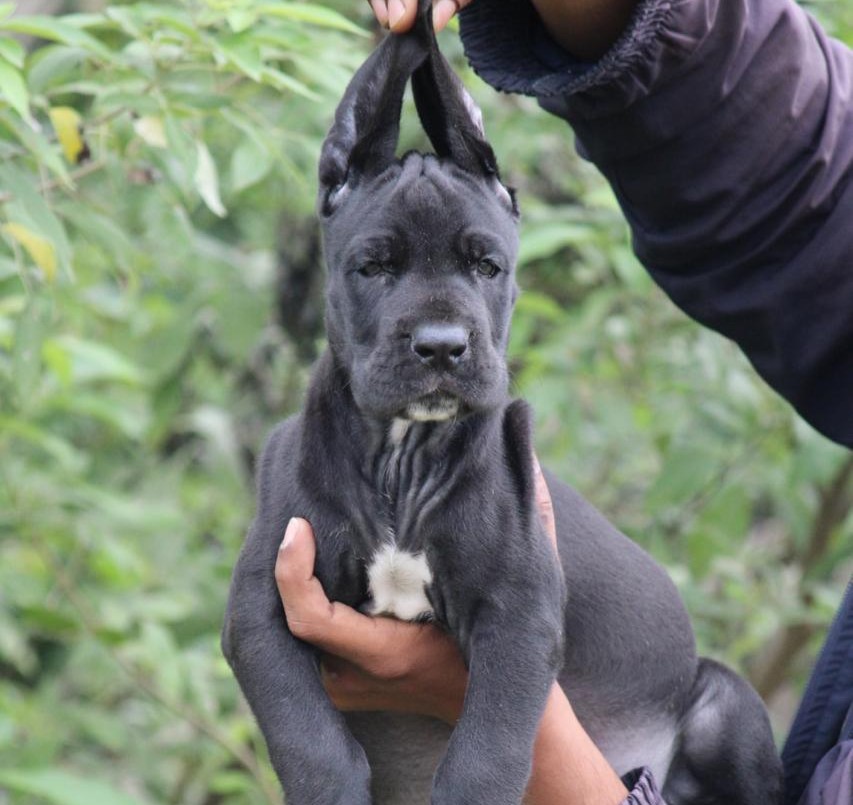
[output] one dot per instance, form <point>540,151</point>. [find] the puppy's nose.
<point>440,345</point>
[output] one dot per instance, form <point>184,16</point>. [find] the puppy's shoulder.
<point>518,431</point>
<point>517,436</point>
<point>518,424</point>
<point>280,454</point>
<point>283,436</point>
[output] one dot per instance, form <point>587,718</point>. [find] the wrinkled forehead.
<point>423,197</point>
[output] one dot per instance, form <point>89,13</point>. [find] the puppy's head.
<point>420,250</point>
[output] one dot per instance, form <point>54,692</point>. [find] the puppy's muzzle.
<point>440,346</point>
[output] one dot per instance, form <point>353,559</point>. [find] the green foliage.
<point>147,154</point>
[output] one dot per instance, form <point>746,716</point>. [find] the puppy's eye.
<point>373,269</point>
<point>488,268</point>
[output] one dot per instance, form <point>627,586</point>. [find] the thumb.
<point>301,593</point>
<point>331,626</point>
<point>299,550</point>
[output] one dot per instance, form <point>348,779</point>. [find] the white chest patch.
<point>398,582</point>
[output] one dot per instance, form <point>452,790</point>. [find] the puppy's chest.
<point>398,583</point>
<point>411,482</point>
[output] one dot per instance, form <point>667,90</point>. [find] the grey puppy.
<point>415,470</point>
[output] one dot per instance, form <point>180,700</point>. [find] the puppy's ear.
<point>363,139</point>
<point>451,119</point>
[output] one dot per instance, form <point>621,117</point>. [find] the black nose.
<point>440,345</point>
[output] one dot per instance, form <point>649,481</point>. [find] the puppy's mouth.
<point>436,406</point>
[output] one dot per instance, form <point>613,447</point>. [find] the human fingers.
<point>348,686</point>
<point>380,11</point>
<point>353,690</point>
<point>371,643</point>
<point>432,681</point>
<point>398,15</point>
<point>444,10</point>
<point>544,503</point>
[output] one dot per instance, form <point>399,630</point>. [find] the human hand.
<point>369,663</point>
<point>399,15</point>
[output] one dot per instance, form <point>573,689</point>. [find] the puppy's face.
<point>420,290</point>
<point>420,250</point>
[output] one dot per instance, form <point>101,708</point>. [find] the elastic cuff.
<point>642,788</point>
<point>509,48</point>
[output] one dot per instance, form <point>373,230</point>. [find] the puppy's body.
<point>632,675</point>
<point>367,489</point>
<point>415,471</point>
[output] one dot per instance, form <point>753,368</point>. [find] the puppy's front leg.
<point>513,661</point>
<point>316,758</point>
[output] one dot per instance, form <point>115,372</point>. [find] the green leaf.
<point>13,51</point>
<point>8,268</point>
<point>279,80</point>
<point>687,471</point>
<point>241,19</point>
<point>14,647</point>
<point>64,788</point>
<point>230,782</point>
<point>103,230</point>
<point>312,14</point>
<point>35,142</point>
<point>250,162</point>
<point>39,249</point>
<point>629,269</point>
<point>163,17</point>
<point>544,240</point>
<point>32,329</point>
<point>242,53</point>
<point>126,19</point>
<point>56,30</point>
<point>30,208</point>
<point>125,419</point>
<point>64,453</point>
<point>12,86</point>
<point>207,180</point>
<point>90,361</point>
<point>180,143</point>
<point>540,305</point>
<point>52,65</point>
<point>6,9</point>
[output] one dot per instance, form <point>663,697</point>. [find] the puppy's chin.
<point>434,407</point>
<point>427,399</point>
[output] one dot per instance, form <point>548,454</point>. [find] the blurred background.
<point>160,308</point>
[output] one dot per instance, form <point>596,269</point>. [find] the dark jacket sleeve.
<point>725,128</point>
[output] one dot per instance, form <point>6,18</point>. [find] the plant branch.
<point>770,670</point>
<point>53,184</point>
<point>836,499</point>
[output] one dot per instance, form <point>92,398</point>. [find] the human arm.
<point>726,132</point>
